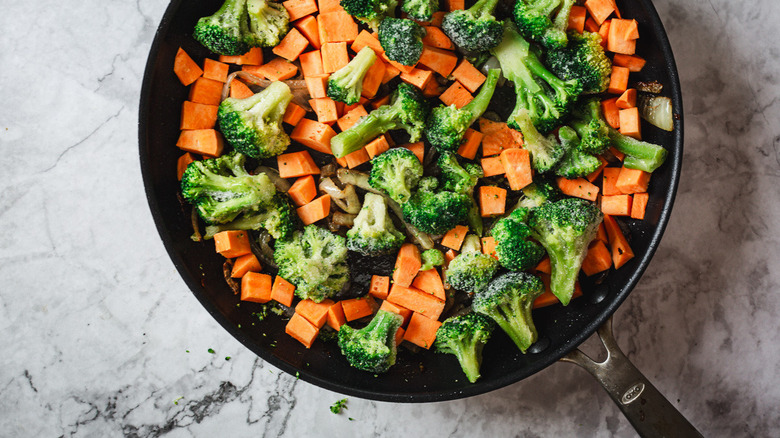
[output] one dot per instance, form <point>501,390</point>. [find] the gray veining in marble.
<point>96,322</point>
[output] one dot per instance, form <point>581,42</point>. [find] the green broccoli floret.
<point>514,247</point>
<point>435,212</point>
<point>447,124</point>
<point>588,121</point>
<point>346,84</point>
<point>546,98</point>
<point>396,172</point>
<point>277,217</point>
<point>508,301</point>
<point>565,228</point>
<point>640,154</point>
<point>223,32</point>
<point>371,12</point>
<point>537,193</point>
<point>371,348</point>
<point>471,270</point>
<point>462,179</point>
<point>420,10</point>
<point>575,163</point>
<point>315,261</point>
<point>407,110</point>
<point>431,258</point>
<point>401,39</point>
<point>546,151</point>
<point>465,336</point>
<point>268,23</point>
<point>583,58</point>
<point>221,189</point>
<point>544,21</point>
<point>474,29</point>
<point>373,232</point>
<point>253,126</point>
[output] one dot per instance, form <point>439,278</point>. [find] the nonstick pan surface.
<point>420,377</point>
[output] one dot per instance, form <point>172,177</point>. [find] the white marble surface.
<point>95,320</point>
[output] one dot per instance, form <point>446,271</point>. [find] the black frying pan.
<point>416,377</point>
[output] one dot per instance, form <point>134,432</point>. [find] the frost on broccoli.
<point>474,29</point>
<point>401,40</point>
<point>373,232</point>
<point>396,172</point>
<point>465,336</point>
<point>221,189</point>
<point>544,21</point>
<point>583,58</point>
<point>508,301</point>
<point>371,12</point>
<point>253,126</point>
<point>371,348</point>
<point>239,25</point>
<point>514,247</point>
<point>420,10</point>
<point>471,270</point>
<point>575,162</point>
<point>315,261</point>
<point>433,211</point>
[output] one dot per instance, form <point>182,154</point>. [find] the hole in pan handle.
<point>644,406</point>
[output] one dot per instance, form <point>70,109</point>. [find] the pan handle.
<point>645,407</point>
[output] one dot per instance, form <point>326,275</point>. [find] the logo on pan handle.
<point>632,393</point>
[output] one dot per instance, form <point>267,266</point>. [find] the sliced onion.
<point>658,111</point>
<point>196,236</point>
<point>266,252</point>
<point>298,87</point>
<point>346,199</point>
<point>654,87</point>
<point>344,219</point>
<point>281,184</point>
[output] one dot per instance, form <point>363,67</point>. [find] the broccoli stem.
<point>468,358</point>
<point>512,53</point>
<point>474,218</point>
<point>374,124</point>
<point>562,17</point>
<point>640,155</point>
<point>517,323</point>
<point>544,152</point>
<point>480,102</point>
<point>536,67</point>
<point>483,7</point>
<point>268,104</point>
<point>565,269</point>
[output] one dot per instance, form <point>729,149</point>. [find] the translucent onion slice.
<point>657,110</point>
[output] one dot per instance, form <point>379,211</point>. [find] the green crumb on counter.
<point>337,407</point>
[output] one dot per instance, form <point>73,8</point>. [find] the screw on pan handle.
<point>646,409</point>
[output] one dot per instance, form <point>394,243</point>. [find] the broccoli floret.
<point>396,172</point>
<point>546,151</point>
<point>471,270</point>
<point>371,12</point>
<point>544,21</point>
<point>508,301</point>
<point>221,189</point>
<point>431,258</point>
<point>457,178</point>
<point>465,336</point>
<point>435,212</point>
<point>537,193</point>
<point>223,32</point>
<point>315,261</point>
<point>575,163</point>
<point>514,247</point>
<point>253,126</point>
<point>407,110</point>
<point>420,10</point>
<point>447,124</point>
<point>565,228</point>
<point>371,348</point>
<point>588,121</point>
<point>546,98</point>
<point>462,179</point>
<point>373,232</point>
<point>346,84</point>
<point>640,154</point>
<point>268,23</point>
<point>401,40</point>
<point>474,29</point>
<point>277,217</point>
<point>583,58</point>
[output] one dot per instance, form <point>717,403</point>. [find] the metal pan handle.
<point>646,409</point>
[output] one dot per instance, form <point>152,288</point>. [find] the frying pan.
<point>427,376</point>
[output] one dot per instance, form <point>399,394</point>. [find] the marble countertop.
<point>96,323</point>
